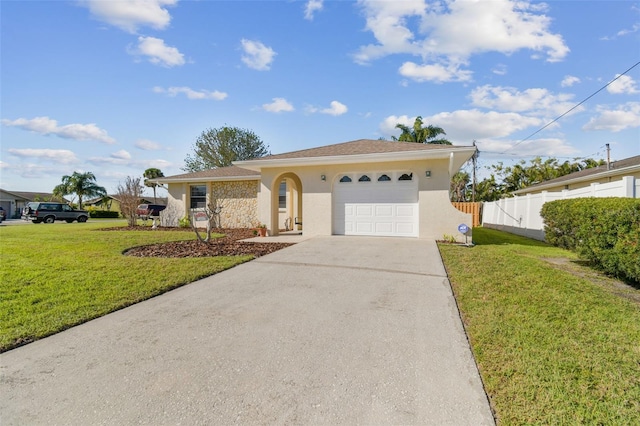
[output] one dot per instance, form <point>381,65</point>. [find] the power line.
<point>567,112</point>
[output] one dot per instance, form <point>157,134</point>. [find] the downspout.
<point>450,165</point>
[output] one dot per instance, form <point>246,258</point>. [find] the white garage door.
<point>380,204</point>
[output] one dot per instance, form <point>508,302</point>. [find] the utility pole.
<point>608,157</point>
<point>474,160</point>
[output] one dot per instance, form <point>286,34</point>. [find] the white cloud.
<point>191,94</point>
<point>569,81</point>
<point>500,69</point>
<point>543,147</point>
<point>450,32</point>
<point>59,156</point>
<point>463,126</point>
<point>147,145</point>
<point>278,105</point>
<point>436,72</point>
<point>122,155</point>
<point>48,126</point>
<point>257,55</point>
<point>535,101</point>
<point>336,108</point>
<point>312,7</point>
<point>117,159</point>
<point>157,52</point>
<point>626,116</point>
<point>623,85</point>
<point>131,14</point>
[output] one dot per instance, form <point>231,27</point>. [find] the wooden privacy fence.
<point>472,208</point>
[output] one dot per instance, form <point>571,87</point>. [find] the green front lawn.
<point>555,343</point>
<point>54,276</point>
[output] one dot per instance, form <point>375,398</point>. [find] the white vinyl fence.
<point>521,215</point>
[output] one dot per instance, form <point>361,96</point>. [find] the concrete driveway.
<point>334,330</point>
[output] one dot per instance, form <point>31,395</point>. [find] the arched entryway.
<point>286,203</point>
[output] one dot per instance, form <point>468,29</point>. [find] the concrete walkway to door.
<point>333,330</point>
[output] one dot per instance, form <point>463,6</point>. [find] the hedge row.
<point>103,214</point>
<point>605,231</point>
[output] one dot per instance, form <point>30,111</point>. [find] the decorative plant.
<point>185,222</point>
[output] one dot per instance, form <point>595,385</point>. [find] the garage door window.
<point>345,179</point>
<point>364,178</point>
<point>406,176</point>
<point>384,178</point>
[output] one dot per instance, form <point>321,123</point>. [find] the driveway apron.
<point>333,330</point>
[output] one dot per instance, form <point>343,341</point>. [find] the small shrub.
<point>447,238</point>
<point>184,222</point>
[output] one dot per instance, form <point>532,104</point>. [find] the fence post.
<point>628,187</point>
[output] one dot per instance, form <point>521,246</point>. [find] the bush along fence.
<point>103,214</point>
<point>521,215</point>
<point>604,231</point>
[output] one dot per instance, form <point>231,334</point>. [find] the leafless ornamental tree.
<point>211,213</point>
<point>129,194</point>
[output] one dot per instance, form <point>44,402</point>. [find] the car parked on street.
<point>49,212</point>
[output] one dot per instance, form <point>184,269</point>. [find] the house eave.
<point>581,179</point>
<point>204,179</point>
<point>259,164</point>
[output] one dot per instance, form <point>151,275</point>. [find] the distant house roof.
<point>616,168</point>
<point>33,196</point>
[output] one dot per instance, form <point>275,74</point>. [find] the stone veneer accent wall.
<point>239,201</point>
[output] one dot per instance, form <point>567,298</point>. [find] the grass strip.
<point>552,346</point>
<point>55,276</point>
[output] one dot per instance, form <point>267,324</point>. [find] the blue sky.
<point>115,87</point>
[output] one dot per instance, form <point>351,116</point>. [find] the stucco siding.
<point>437,216</point>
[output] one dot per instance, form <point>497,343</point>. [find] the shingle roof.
<point>357,147</point>
<point>220,172</point>
<point>586,173</point>
<point>33,195</point>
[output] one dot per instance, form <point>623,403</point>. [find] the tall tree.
<point>81,184</point>
<point>421,134</point>
<point>459,186</point>
<point>152,173</point>
<point>220,147</point>
<point>506,179</point>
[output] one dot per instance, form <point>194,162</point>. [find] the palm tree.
<point>419,134</point>
<point>152,173</point>
<point>460,186</point>
<point>81,184</point>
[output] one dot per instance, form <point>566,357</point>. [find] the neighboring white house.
<point>363,187</point>
<point>14,201</point>
<point>521,214</point>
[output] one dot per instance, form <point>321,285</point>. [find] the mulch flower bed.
<point>229,245</point>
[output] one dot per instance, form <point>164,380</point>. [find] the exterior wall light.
<point>323,177</point>
<point>428,173</point>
